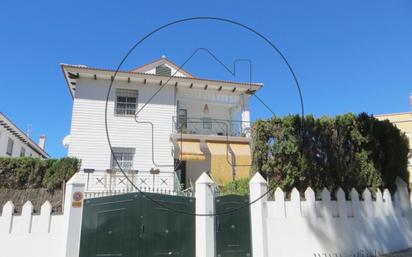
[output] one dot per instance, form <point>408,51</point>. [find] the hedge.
<point>30,173</point>
<point>348,151</point>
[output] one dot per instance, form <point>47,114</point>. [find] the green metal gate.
<point>233,235</point>
<point>131,225</point>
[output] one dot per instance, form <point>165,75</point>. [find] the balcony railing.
<point>209,126</point>
<point>103,183</point>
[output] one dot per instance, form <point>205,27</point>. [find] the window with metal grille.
<point>10,144</point>
<point>22,152</point>
<point>126,101</point>
<point>124,157</point>
<point>163,70</point>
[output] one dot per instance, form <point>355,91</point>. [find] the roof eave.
<point>89,70</point>
<point>62,66</point>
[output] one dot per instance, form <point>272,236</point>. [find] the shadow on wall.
<point>341,227</point>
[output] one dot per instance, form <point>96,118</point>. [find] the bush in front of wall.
<point>348,151</point>
<point>29,173</point>
<point>236,187</point>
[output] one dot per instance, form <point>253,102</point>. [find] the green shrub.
<point>347,151</point>
<point>28,173</point>
<point>236,187</point>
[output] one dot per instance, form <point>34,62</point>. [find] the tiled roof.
<point>154,75</point>
<point>160,61</point>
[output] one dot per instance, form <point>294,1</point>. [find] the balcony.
<point>212,127</point>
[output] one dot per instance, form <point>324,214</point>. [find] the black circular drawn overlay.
<point>201,18</point>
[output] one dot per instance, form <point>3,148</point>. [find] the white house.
<point>183,125</point>
<point>15,143</point>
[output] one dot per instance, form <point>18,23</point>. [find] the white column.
<point>245,114</point>
<point>205,225</point>
<point>72,218</point>
<point>258,188</point>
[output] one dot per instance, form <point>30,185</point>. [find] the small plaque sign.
<point>77,199</point>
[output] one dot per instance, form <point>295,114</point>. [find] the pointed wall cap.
<point>204,179</point>
<point>257,179</point>
<point>9,204</point>
<point>76,179</point>
<point>340,194</point>
<point>27,208</point>
<point>309,193</point>
<point>325,194</point>
<point>27,204</point>
<point>46,207</point>
<point>366,193</point>
<point>400,182</point>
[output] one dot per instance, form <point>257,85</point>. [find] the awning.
<point>227,158</point>
<point>221,159</point>
<point>189,150</point>
<point>243,160</point>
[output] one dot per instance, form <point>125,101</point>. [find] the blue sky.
<point>349,56</point>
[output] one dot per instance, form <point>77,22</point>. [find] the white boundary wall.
<point>309,227</point>
<point>44,234</point>
<point>296,227</point>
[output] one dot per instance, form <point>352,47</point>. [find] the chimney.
<point>42,141</point>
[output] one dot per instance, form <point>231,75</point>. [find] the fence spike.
<point>45,216</point>
<point>342,206</point>
<point>327,204</point>
<point>367,203</point>
<point>27,216</point>
<point>388,203</point>
<point>356,206</point>
<point>280,210</point>
<point>279,194</point>
<point>295,204</point>
<point>7,217</point>
<point>310,203</point>
<point>379,207</point>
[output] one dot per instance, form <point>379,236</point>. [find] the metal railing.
<point>209,126</point>
<point>100,183</point>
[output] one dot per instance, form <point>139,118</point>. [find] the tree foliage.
<point>348,151</point>
<point>29,173</point>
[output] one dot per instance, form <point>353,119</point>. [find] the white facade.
<point>88,139</point>
<point>148,138</point>
<point>14,143</point>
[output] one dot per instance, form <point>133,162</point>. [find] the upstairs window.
<point>126,101</point>
<point>124,157</point>
<point>22,152</point>
<point>10,145</point>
